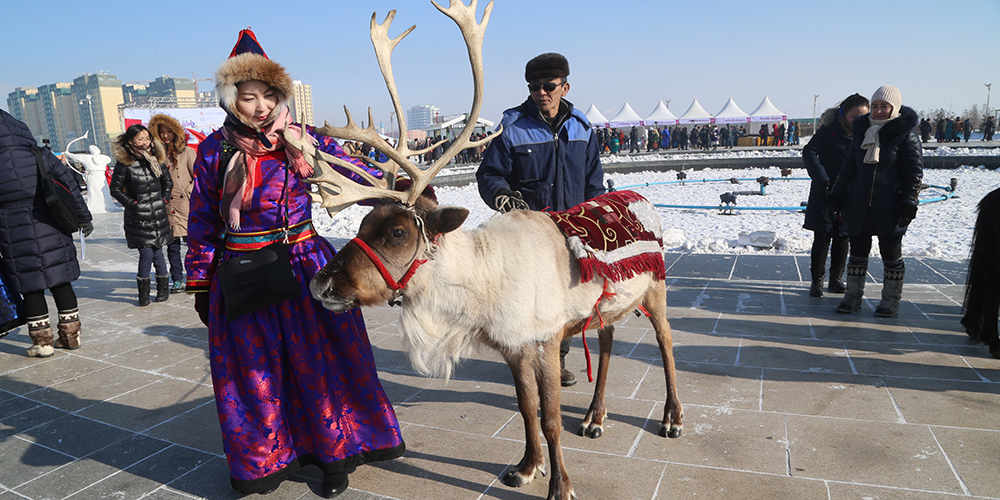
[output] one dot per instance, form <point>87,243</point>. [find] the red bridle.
<point>385,272</point>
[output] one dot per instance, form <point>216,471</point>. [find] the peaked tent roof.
<point>661,115</point>
<point>595,117</point>
<point>766,112</point>
<point>731,113</point>
<point>695,114</point>
<point>626,117</point>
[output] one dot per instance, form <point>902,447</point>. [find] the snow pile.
<point>941,230</point>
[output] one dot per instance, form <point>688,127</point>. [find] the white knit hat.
<point>891,95</point>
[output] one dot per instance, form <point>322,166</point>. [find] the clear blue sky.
<point>940,54</point>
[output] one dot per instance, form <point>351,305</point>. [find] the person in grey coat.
<point>36,253</point>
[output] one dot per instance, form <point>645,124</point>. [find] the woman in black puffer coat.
<point>36,254</point>
<point>142,185</point>
<point>877,190</point>
<point>823,156</point>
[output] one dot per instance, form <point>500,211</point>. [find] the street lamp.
<point>988,85</point>
<point>90,106</point>
<point>815,96</point>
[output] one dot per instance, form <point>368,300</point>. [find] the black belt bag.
<point>257,279</point>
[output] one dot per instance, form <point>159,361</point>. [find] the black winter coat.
<point>874,193</point>
<point>822,157</point>
<point>143,195</point>
<point>35,254</point>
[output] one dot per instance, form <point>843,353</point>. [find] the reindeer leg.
<point>593,424</point>
<point>550,390</point>
<point>522,367</point>
<point>655,303</point>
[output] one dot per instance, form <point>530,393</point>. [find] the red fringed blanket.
<point>616,236</point>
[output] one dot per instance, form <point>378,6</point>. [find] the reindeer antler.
<point>336,191</point>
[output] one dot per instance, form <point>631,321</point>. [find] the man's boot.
<point>892,289</point>
<point>143,284</point>
<point>162,288</point>
<point>566,378</point>
<point>69,329</point>
<point>857,271</point>
<point>40,332</point>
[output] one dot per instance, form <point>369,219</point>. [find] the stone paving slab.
<point>783,399</point>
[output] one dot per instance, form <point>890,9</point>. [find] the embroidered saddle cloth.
<point>615,236</point>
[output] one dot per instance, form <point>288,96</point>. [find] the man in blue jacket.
<point>547,157</point>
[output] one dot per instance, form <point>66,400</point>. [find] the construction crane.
<point>196,80</point>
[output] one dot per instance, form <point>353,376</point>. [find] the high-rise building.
<point>181,89</point>
<point>301,105</point>
<point>50,111</point>
<point>421,116</point>
<point>24,104</point>
<point>99,96</point>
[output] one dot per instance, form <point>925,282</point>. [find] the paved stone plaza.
<point>783,398</point>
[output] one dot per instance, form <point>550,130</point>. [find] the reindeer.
<point>511,285</point>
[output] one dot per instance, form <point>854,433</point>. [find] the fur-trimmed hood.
<point>245,67</point>
<point>124,157</point>
<point>166,122</point>
<point>827,118</point>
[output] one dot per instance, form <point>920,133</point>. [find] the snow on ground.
<point>941,230</point>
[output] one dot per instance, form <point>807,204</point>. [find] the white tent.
<point>731,113</point>
<point>695,114</point>
<point>595,117</point>
<point>661,115</point>
<point>766,112</point>
<point>626,117</point>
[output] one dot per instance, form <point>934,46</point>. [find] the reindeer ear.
<point>445,219</point>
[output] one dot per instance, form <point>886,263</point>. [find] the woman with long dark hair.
<point>822,157</point>
<point>141,183</point>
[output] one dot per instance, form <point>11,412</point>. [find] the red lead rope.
<point>606,294</point>
<point>385,272</point>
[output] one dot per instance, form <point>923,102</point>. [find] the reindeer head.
<point>397,235</point>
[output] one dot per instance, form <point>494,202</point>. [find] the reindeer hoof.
<point>672,431</point>
<point>515,479</point>
<point>591,431</point>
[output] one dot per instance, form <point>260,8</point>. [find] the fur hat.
<point>246,62</point>
<point>548,65</point>
<point>166,122</point>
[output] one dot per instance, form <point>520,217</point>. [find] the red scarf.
<point>243,170</point>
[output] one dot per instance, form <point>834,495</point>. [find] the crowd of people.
<point>699,137</point>
<point>954,129</point>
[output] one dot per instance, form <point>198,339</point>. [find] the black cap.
<point>548,65</point>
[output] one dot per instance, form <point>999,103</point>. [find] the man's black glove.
<point>507,200</point>
<point>86,228</point>
<point>906,214</point>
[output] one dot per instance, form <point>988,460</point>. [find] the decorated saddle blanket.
<point>615,236</point>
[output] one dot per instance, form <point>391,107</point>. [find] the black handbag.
<point>58,197</point>
<point>260,278</point>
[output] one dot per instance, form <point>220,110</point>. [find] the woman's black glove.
<point>86,228</point>
<point>906,214</point>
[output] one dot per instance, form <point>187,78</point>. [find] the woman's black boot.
<point>334,484</point>
<point>143,284</point>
